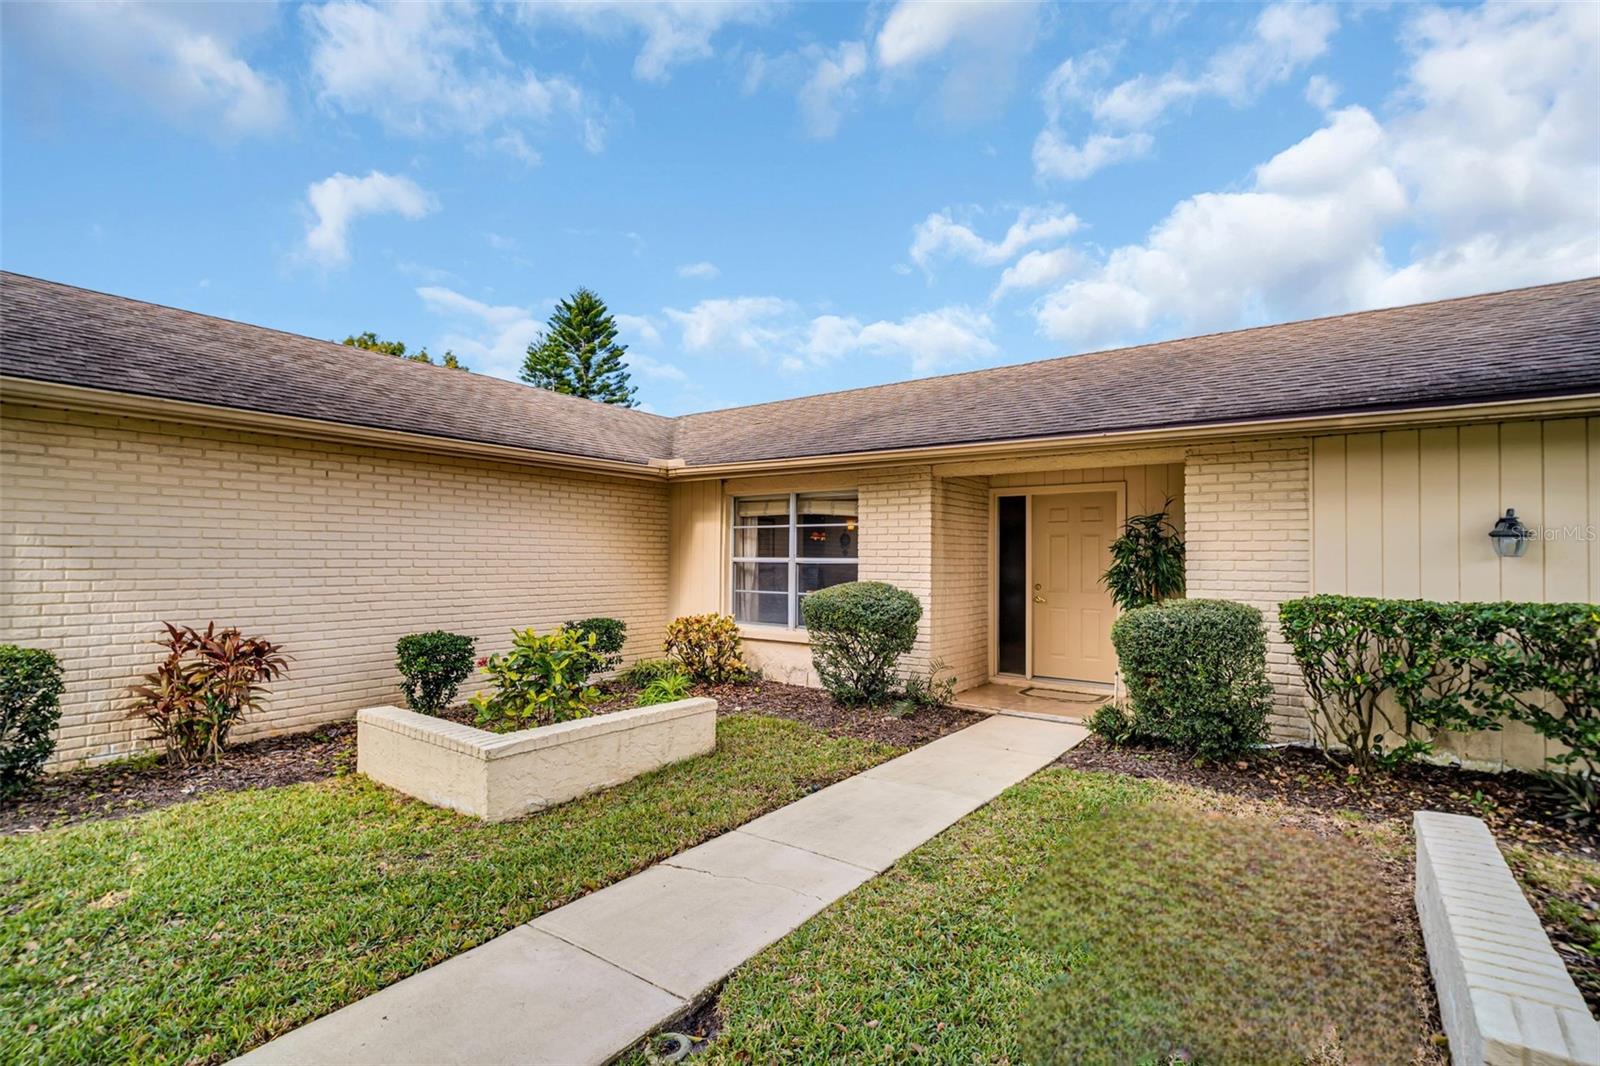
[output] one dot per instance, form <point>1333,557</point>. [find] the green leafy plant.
<point>645,671</point>
<point>609,636</point>
<point>1385,675</point>
<point>1196,674</point>
<point>1112,723</point>
<point>665,689</point>
<point>921,691</point>
<point>1146,561</point>
<point>859,630</point>
<point>30,707</point>
<point>539,681</point>
<point>707,648</point>
<point>204,686</point>
<point>433,666</point>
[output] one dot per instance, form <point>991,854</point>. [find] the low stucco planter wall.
<point>496,776</point>
<point>1504,994</point>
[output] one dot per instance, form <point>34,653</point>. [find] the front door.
<point>1072,612</point>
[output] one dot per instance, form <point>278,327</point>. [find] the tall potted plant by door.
<point>1146,561</point>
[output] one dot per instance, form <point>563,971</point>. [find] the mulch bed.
<point>1513,809</point>
<point>815,708</point>
<point>144,784</point>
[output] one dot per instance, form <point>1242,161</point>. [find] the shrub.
<point>1112,723</point>
<point>1411,667</point>
<point>926,690</point>
<point>858,632</point>
<point>541,680</point>
<point>609,636</point>
<point>433,664</point>
<point>1146,562</point>
<point>30,707</point>
<point>641,673</point>
<point>664,689</point>
<point>707,647</point>
<point>1196,674</point>
<point>1557,652</point>
<point>1379,693</point>
<point>207,683</point>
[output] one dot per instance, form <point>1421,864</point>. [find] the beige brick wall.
<point>111,525</point>
<point>897,542</point>
<point>1248,530</point>
<point>961,578</point>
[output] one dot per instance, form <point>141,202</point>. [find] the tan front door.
<point>1072,612</point>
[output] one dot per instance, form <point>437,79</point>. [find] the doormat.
<point>1066,697</point>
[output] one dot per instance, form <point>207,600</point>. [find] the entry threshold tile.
<point>523,997</point>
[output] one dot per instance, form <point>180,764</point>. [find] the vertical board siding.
<point>1406,514</point>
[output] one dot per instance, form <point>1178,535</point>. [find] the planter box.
<point>1505,996</point>
<point>496,776</point>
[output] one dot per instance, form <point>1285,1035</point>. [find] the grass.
<point>1088,918</point>
<point>196,932</point>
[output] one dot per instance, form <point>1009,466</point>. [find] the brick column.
<point>1248,527</point>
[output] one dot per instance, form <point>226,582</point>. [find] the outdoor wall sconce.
<point>1509,536</point>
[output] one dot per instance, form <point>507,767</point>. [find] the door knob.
<point>1037,598</point>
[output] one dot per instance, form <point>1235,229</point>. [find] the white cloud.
<point>651,367</point>
<point>638,328</point>
<point>183,59</point>
<point>1487,171</point>
<point>339,200</point>
<point>492,339</point>
<point>772,329</point>
<point>1036,270</point>
<point>1056,157</point>
<point>979,44</point>
<point>702,271</point>
<point>675,31</point>
<point>745,323</point>
<point>830,87</point>
<point>423,68</point>
<point>940,236</point>
<point>1283,39</point>
<point>1321,93</point>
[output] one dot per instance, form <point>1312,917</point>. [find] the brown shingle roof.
<point>1524,344</point>
<point>70,336</point>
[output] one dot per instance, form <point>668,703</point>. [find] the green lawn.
<point>1088,918</point>
<point>194,933</point>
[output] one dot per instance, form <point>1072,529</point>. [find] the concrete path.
<point>585,982</point>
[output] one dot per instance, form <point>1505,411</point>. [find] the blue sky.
<point>780,199</point>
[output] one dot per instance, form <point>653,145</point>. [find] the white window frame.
<point>794,560</point>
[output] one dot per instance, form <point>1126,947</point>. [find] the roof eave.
<point>1192,433</point>
<point>15,389</point>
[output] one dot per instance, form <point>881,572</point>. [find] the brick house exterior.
<point>335,500</point>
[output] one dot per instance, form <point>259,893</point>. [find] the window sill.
<point>779,634</point>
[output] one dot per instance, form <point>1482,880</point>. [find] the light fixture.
<point>1509,536</point>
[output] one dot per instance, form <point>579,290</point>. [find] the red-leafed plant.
<point>204,686</point>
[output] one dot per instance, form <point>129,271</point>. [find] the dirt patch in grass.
<point>1508,802</point>
<point>816,709</point>
<point>147,783</point>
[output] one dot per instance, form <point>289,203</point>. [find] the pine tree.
<point>578,353</point>
<point>370,342</point>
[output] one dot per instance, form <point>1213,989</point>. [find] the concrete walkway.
<point>584,982</point>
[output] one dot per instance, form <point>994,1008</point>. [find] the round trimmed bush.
<point>1196,674</point>
<point>30,707</point>
<point>858,632</point>
<point>433,665</point>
